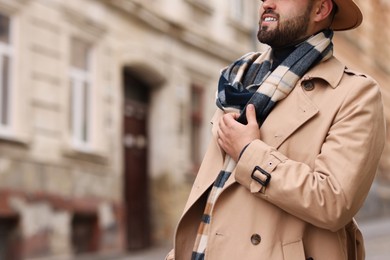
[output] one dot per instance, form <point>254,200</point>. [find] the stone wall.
<point>45,180</point>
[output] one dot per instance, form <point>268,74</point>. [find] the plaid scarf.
<point>250,80</point>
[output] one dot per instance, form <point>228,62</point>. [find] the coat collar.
<point>295,110</point>
<point>330,71</point>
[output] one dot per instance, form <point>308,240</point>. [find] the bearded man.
<point>296,142</point>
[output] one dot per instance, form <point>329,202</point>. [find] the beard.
<point>287,32</point>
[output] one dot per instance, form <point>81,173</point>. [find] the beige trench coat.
<point>321,146</point>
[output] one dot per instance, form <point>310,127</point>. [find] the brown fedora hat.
<point>348,15</point>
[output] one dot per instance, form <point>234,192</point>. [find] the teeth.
<point>269,19</point>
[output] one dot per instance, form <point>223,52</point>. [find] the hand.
<point>233,136</point>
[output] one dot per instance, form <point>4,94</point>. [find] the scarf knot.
<point>250,80</point>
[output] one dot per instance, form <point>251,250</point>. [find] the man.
<point>297,137</point>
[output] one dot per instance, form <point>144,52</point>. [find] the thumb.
<point>251,114</point>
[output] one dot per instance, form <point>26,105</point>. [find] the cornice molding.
<point>196,39</point>
<point>80,20</point>
<point>237,25</point>
<point>12,6</point>
<point>203,6</point>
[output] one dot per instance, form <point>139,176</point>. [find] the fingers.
<point>228,120</point>
<point>235,116</point>
<point>251,114</point>
<point>222,139</point>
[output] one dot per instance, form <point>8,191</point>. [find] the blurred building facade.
<point>367,49</point>
<point>105,108</point>
<point>104,117</point>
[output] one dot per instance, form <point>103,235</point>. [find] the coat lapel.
<point>290,114</point>
<point>296,109</point>
<point>287,117</point>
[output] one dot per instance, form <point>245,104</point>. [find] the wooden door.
<point>135,143</point>
<point>85,233</point>
<point>10,239</point>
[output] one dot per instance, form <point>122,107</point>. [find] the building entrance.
<point>135,146</point>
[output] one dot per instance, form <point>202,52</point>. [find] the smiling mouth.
<point>269,16</point>
<point>269,19</point>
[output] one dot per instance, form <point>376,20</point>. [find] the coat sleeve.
<point>329,194</point>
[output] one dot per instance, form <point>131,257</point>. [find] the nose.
<point>268,4</point>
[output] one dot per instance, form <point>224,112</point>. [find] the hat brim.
<point>347,17</point>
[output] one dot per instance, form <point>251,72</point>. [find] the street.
<point>376,235</point>
<point>157,253</point>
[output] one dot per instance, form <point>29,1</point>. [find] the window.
<point>5,73</point>
<point>243,17</point>
<point>237,9</point>
<point>196,125</point>
<point>80,88</point>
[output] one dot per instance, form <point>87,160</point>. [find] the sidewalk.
<point>154,253</point>
<point>157,253</point>
<point>376,234</point>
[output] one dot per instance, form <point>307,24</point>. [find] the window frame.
<point>247,19</point>
<point>237,9</point>
<point>78,26</point>
<point>7,50</point>
<point>81,82</point>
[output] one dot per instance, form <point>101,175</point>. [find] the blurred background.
<point>104,119</point>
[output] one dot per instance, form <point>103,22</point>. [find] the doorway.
<point>10,238</point>
<point>85,235</point>
<point>135,150</point>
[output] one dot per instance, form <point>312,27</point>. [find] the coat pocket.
<point>293,251</point>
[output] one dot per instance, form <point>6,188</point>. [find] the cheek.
<point>261,11</point>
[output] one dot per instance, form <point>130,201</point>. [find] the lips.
<point>268,18</point>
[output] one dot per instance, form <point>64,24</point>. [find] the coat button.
<point>255,239</point>
<point>308,85</point>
